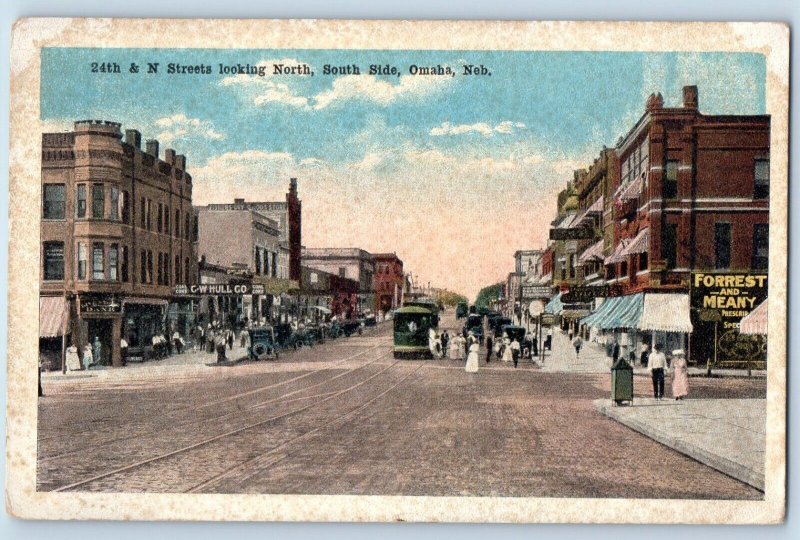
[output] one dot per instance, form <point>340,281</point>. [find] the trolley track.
<point>236,445</point>
<point>92,427</point>
<point>167,426</point>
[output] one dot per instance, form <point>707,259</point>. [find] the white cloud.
<point>179,126</point>
<point>505,127</point>
<point>380,91</point>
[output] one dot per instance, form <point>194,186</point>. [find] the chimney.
<point>293,186</point>
<point>133,138</point>
<point>169,156</point>
<point>152,147</point>
<point>690,100</point>
<point>655,101</point>
<point>180,162</point>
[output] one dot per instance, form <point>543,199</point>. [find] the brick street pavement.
<point>345,417</point>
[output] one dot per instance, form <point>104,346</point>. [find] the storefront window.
<point>98,201</point>
<point>82,260</point>
<point>80,201</point>
<point>53,260</point>
<point>98,270</point>
<point>54,204</point>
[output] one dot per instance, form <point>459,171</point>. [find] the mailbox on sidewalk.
<point>621,382</point>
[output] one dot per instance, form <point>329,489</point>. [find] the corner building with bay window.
<point>116,237</point>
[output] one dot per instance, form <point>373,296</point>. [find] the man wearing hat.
<point>657,364</point>
<point>680,375</point>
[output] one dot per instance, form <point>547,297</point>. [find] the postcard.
<point>462,271</point>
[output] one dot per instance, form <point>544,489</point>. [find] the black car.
<point>263,345</point>
<point>474,324</point>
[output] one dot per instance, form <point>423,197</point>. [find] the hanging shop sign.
<point>579,233</point>
<point>530,292</point>
<point>219,289</point>
<point>585,295</point>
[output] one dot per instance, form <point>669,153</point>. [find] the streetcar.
<point>412,325</point>
<point>425,303</point>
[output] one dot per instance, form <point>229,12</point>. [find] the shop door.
<point>101,329</point>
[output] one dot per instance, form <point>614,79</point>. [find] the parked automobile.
<point>474,324</point>
<point>263,345</point>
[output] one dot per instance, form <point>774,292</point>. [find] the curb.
<point>715,461</point>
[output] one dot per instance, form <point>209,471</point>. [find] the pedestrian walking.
<point>455,347</point>
<point>97,350</point>
<point>615,351</point>
<point>657,363</point>
<point>680,375</point>
<point>462,348</point>
<point>515,351</point>
<point>220,346</point>
<point>534,346</point>
<point>123,350</point>
<point>489,345</point>
<point>445,342</point>
<point>508,355</point>
<point>644,354</point>
<point>472,359</point>
<point>88,359</point>
<point>230,339</point>
<point>577,343</point>
<point>73,361</point>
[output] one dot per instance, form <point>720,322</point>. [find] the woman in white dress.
<point>508,353</point>
<point>462,341</point>
<point>454,347</point>
<point>472,359</point>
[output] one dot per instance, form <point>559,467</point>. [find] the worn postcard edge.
<point>31,35</point>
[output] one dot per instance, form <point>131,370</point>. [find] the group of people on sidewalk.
<point>658,366</point>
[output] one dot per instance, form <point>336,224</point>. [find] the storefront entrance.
<point>100,337</point>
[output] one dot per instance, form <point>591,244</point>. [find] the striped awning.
<point>621,312</point>
<point>755,323</point>
<point>632,190</point>
<point>640,244</point>
<point>666,313</point>
<point>593,252</point>
<point>52,316</point>
<point>554,306</point>
<point>595,208</point>
<point>619,253</point>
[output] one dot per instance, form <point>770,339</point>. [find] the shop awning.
<point>574,313</point>
<point>593,252</point>
<point>52,316</point>
<point>595,208</point>
<point>632,190</point>
<point>620,312</point>
<point>554,306</point>
<point>619,253</point>
<point>640,244</point>
<point>143,301</point>
<point>755,323</point>
<point>666,313</point>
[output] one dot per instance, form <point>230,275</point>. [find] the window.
<point>98,201</point>
<point>124,264</point>
<point>143,268</point>
<point>177,223</point>
<point>342,271</point>
<point>82,259</point>
<point>258,260</point>
<point>54,204</point>
<point>113,254</point>
<point>143,224</point>
<point>125,207</point>
<point>669,245</point>
<point>274,264</point>
<point>570,262</point>
<point>167,227</point>
<point>722,245</point>
<point>149,215</point>
<point>149,267</point>
<point>314,277</point>
<point>167,269</point>
<point>194,230</point>
<point>761,182</point>
<point>177,269</point>
<point>80,201</point>
<point>53,260</point>
<point>160,217</point>
<point>98,267</point>
<point>115,203</point>
<point>643,261</point>
<point>671,180</point>
<point>187,274</point>
<point>760,246</point>
<point>160,272</point>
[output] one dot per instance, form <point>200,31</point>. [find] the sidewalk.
<point>728,435</point>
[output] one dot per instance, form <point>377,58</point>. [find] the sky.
<point>453,173</point>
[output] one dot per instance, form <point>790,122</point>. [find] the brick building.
<point>690,194</point>
<point>350,263</point>
<point>115,240</point>
<point>388,282</point>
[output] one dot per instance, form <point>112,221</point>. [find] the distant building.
<point>115,241</point>
<point>388,281</point>
<point>350,263</point>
